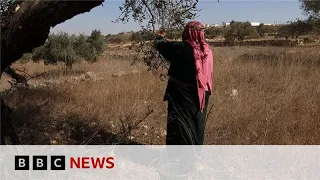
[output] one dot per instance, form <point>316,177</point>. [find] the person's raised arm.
<point>167,49</point>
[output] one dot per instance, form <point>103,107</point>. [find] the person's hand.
<point>162,32</point>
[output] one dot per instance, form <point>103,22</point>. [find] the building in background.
<point>255,23</point>
<point>225,24</point>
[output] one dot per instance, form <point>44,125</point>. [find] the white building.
<point>255,23</point>
<point>225,24</point>
<point>211,25</point>
<point>258,23</point>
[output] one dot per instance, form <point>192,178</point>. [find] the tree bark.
<point>19,78</point>
<point>30,25</point>
<point>27,29</point>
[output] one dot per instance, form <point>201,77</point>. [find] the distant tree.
<point>295,29</point>
<point>174,33</point>
<point>143,35</point>
<point>79,40</point>
<point>315,23</point>
<point>59,47</point>
<point>88,52</point>
<point>311,8</point>
<point>135,36</point>
<point>97,40</point>
<point>39,53</point>
<point>261,29</point>
<point>111,38</point>
<point>213,32</point>
<point>71,48</point>
<point>26,57</point>
<point>239,30</point>
<point>300,27</point>
<point>270,29</point>
<point>284,31</point>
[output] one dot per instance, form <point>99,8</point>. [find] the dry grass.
<point>278,101</point>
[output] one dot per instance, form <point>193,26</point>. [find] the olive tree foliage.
<point>153,15</point>
<point>295,29</point>
<point>300,27</point>
<point>239,30</point>
<point>311,8</point>
<point>71,48</point>
<point>40,16</point>
<point>58,47</point>
<point>97,40</point>
<point>315,23</point>
<point>261,29</point>
<point>213,32</point>
<point>143,35</point>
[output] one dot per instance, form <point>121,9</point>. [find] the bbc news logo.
<point>40,163</point>
<point>59,162</point>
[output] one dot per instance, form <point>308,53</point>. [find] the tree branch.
<point>30,25</point>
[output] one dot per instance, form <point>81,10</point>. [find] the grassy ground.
<point>262,95</point>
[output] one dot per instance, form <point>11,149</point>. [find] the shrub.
<point>239,30</point>
<point>213,32</point>
<point>294,29</point>
<point>97,40</point>
<point>88,52</point>
<point>70,48</point>
<point>143,35</point>
<point>60,48</point>
<point>26,57</point>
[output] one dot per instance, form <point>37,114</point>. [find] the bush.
<point>97,40</point>
<point>26,57</point>
<point>88,52</point>
<point>174,33</point>
<point>315,24</point>
<point>60,48</point>
<point>79,40</point>
<point>239,30</point>
<point>118,38</point>
<point>143,35</point>
<point>213,32</point>
<point>70,48</point>
<point>114,39</point>
<point>294,29</point>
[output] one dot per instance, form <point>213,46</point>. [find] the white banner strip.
<point>160,162</point>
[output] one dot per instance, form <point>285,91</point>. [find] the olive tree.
<point>152,16</point>
<point>311,8</point>
<point>25,24</point>
<point>239,30</point>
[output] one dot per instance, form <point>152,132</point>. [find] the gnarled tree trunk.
<point>29,28</point>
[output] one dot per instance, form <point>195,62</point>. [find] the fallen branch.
<point>31,76</point>
<point>127,125</point>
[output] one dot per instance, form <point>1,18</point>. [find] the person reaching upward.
<point>189,85</point>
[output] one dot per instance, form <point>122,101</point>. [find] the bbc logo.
<point>40,163</point>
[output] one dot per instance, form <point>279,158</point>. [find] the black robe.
<point>186,123</point>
